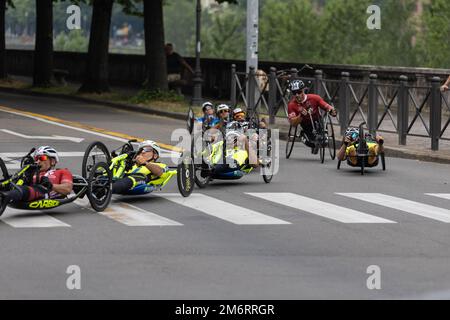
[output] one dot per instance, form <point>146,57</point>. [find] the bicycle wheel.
<point>202,175</point>
<point>383,161</point>
<point>291,140</point>
<point>268,160</point>
<point>4,175</point>
<point>322,151</point>
<point>339,164</point>
<point>99,189</point>
<point>185,175</point>
<point>95,152</point>
<point>190,120</point>
<point>331,138</point>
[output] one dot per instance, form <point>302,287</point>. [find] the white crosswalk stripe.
<point>130,215</point>
<point>408,206</point>
<point>30,219</point>
<point>439,195</point>
<point>320,208</point>
<point>223,210</point>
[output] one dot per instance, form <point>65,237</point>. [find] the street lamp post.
<point>197,94</point>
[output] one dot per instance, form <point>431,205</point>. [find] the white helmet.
<point>48,151</point>
<point>221,107</point>
<point>152,144</point>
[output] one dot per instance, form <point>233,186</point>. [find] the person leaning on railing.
<point>445,85</point>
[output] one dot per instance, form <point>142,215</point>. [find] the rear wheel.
<point>190,120</point>
<point>268,159</point>
<point>99,189</point>
<point>383,161</point>
<point>339,164</point>
<point>4,175</point>
<point>291,140</point>
<point>185,175</point>
<point>331,138</point>
<point>95,152</point>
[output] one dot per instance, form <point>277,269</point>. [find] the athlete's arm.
<point>154,168</point>
<point>66,185</point>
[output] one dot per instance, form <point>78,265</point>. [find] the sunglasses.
<point>42,157</point>
<point>223,111</point>
<point>147,149</point>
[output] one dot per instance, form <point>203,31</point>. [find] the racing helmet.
<point>222,107</point>
<point>296,85</point>
<point>352,133</point>
<point>48,151</point>
<point>152,144</point>
<point>232,136</point>
<point>206,105</point>
<point>238,111</point>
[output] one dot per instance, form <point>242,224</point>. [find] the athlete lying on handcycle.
<point>50,182</point>
<point>349,148</point>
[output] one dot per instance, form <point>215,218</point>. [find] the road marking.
<point>53,137</point>
<point>440,195</point>
<point>130,215</point>
<point>320,208</point>
<point>408,206</point>
<point>83,127</point>
<point>30,219</point>
<point>222,210</point>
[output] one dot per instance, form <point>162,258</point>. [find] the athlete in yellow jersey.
<point>349,148</point>
<point>144,169</point>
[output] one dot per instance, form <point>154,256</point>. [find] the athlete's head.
<point>297,88</point>
<point>149,149</point>
<point>238,115</point>
<point>46,157</point>
<point>208,108</point>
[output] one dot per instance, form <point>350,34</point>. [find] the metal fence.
<point>396,107</point>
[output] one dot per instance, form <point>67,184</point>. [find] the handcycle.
<point>205,169</point>
<point>120,160</point>
<point>96,186</point>
<point>363,154</point>
<point>323,132</point>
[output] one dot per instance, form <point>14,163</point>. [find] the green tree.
<point>289,31</point>
<point>433,40</point>
<point>75,40</point>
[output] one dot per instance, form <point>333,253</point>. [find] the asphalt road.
<point>311,233</point>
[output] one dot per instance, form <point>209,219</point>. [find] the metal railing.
<point>394,107</point>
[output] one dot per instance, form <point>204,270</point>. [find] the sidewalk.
<point>418,148</point>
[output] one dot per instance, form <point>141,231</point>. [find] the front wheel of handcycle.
<point>331,138</point>
<point>383,161</point>
<point>185,175</point>
<point>96,152</point>
<point>99,189</point>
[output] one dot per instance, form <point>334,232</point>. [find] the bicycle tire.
<point>99,145</point>
<point>290,141</point>
<point>98,171</point>
<point>331,139</point>
<point>383,161</point>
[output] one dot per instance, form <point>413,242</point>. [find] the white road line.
<point>73,128</point>
<point>222,210</point>
<point>53,137</point>
<point>320,208</point>
<point>30,219</point>
<point>439,195</point>
<point>130,215</point>
<point>408,206</point>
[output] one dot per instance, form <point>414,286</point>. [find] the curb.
<point>116,105</point>
<point>390,151</point>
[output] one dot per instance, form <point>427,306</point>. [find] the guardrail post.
<point>272,94</point>
<point>373,104</point>
<point>344,102</point>
<point>251,92</point>
<point>403,110</point>
<point>435,113</point>
<point>233,85</point>
<point>318,77</point>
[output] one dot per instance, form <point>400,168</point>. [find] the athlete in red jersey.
<point>300,105</point>
<point>52,183</point>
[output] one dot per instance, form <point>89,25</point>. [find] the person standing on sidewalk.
<point>175,65</point>
<point>445,85</point>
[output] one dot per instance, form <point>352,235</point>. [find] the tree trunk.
<point>96,77</point>
<point>3,74</point>
<point>43,52</point>
<point>155,57</point>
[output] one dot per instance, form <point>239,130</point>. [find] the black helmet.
<point>296,85</point>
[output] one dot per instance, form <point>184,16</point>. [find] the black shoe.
<point>315,149</point>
